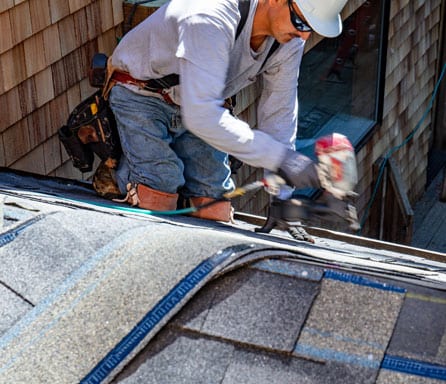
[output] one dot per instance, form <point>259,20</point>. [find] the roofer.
<point>172,77</point>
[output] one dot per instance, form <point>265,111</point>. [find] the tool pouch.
<point>91,128</point>
<point>81,155</point>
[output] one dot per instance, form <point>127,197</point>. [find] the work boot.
<point>220,211</point>
<point>147,198</point>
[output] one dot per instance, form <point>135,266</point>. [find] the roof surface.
<point>92,293</point>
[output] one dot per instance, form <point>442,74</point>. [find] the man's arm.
<point>204,54</point>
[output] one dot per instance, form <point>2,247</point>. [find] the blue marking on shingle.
<point>148,323</point>
<point>414,367</point>
<point>10,235</point>
<point>359,280</point>
<point>341,357</point>
<point>317,332</point>
<point>159,314</point>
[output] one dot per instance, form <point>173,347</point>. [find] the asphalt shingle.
<point>392,377</point>
<point>179,358</point>
<point>426,314</point>
<point>48,246</point>
<point>12,308</point>
<point>249,367</point>
<point>289,268</point>
<point>290,318</point>
<point>256,307</point>
<point>350,323</point>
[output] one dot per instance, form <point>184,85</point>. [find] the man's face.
<point>289,23</point>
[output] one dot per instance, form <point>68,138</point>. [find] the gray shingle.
<point>289,268</point>
<point>227,326</point>
<point>350,323</point>
<point>391,377</point>
<point>426,314</point>
<point>176,358</point>
<point>33,268</point>
<point>257,308</point>
<point>47,251</point>
<point>194,314</point>
<point>12,308</point>
<point>13,215</point>
<point>262,368</point>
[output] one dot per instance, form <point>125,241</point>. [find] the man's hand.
<point>335,171</point>
<point>299,171</point>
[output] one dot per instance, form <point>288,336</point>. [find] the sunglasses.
<point>297,22</point>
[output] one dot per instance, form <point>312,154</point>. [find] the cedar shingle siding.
<point>45,50</point>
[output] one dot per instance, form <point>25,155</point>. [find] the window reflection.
<point>338,79</point>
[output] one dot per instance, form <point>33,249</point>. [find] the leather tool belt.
<point>160,86</point>
<point>154,85</point>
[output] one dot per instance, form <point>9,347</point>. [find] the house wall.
<point>46,45</point>
<point>411,74</point>
<point>45,50</point>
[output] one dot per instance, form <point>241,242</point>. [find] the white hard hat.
<point>323,15</point>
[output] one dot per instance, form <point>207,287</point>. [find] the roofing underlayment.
<point>95,294</point>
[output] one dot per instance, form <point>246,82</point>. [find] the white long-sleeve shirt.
<point>196,39</point>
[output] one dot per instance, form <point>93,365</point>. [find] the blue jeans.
<point>159,152</point>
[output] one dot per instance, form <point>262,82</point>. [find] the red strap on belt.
<point>126,78</point>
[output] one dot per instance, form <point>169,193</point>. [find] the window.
<point>339,80</point>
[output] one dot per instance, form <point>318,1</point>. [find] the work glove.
<point>335,170</point>
<point>299,171</point>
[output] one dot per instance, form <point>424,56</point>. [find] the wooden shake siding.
<point>45,50</point>
<point>411,73</point>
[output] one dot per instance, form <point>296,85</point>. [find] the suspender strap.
<point>273,49</point>
<point>243,7</point>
